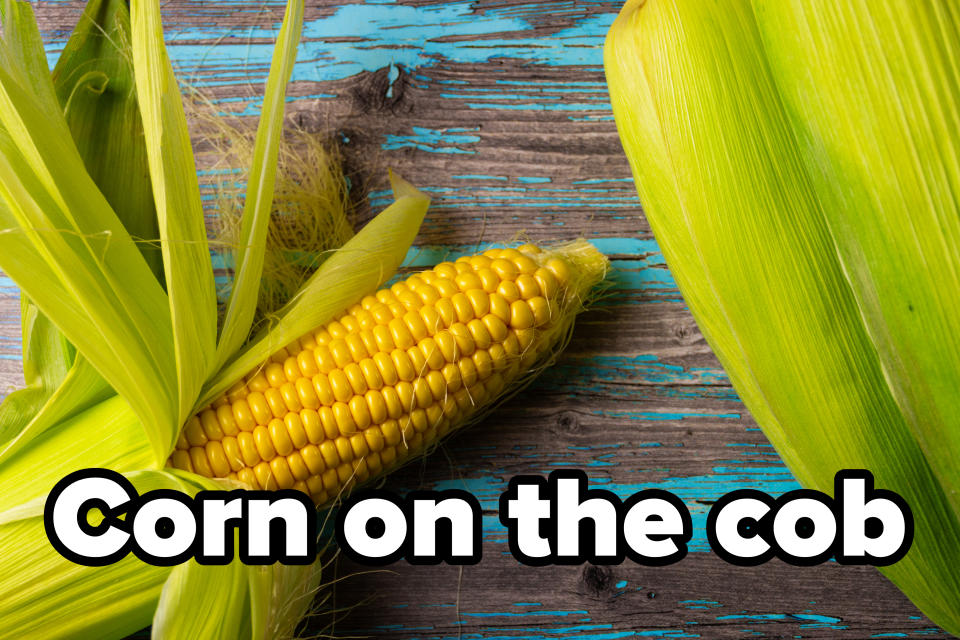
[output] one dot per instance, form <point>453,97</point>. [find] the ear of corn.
<point>147,357</point>
<point>747,237</point>
<point>393,374</point>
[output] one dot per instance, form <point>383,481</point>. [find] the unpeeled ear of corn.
<point>388,378</point>
<point>784,251</point>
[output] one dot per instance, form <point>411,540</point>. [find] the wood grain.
<point>498,108</point>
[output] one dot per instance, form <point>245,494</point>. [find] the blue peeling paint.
<point>393,35</point>
<point>433,140</point>
<point>696,492</point>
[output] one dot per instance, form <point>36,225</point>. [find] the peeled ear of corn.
<point>397,371</point>
<point>131,360</point>
<point>749,232</point>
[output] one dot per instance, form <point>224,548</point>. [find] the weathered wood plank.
<point>498,109</point>
<point>624,601</point>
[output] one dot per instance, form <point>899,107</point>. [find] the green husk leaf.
<point>203,602</point>
<point>80,389</point>
<point>64,246</point>
<point>873,95</point>
<point>746,237</point>
<point>186,258</point>
<point>280,597</point>
<point>106,435</point>
<point>235,601</point>
<point>361,265</point>
<point>44,595</point>
<point>46,361</point>
<point>22,52</point>
<point>46,355</point>
<point>94,84</point>
<point>249,254</point>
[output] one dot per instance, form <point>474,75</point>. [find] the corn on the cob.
<point>390,376</point>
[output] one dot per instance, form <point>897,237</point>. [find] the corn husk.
<point>876,113</point>
<point>748,232</point>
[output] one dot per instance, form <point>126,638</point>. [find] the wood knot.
<point>686,333</point>
<point>568,422</point>
<point>596,581</point>
<point>381,90</point>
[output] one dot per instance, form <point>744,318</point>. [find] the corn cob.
<point>393,374</point>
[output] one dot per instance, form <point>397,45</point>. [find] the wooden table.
<point>498,109</point>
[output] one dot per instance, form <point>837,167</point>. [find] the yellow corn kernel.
<point>375,439</point>
<point>377,406</point>
<point>278,408</point>
<point>521,317</point>
<point>495,327</point>
<point>231,449</point>
<point>489,280</point>
<point>257,382</point>
<point>279,438</point>
<point>509,290</point>
<point>305,391</point>
<point>329,422</point>
<point>275,374</point>
<point>313,459</point>
<point>263,443</point>
<point>432,354</point>
<point>525,265</point>
<point>295,430</point>
<point>259,408</point>
<point>446,287</point>
<point>298,467</point>
<point>527,286</point>
<point>194,432</point>
<point>505,269</point>
<point>478,331</point>
<point>463,307</point>
<point>198,457</point>
<point>181,459</point>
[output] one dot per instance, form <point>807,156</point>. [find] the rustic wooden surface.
<point>498,108</point>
